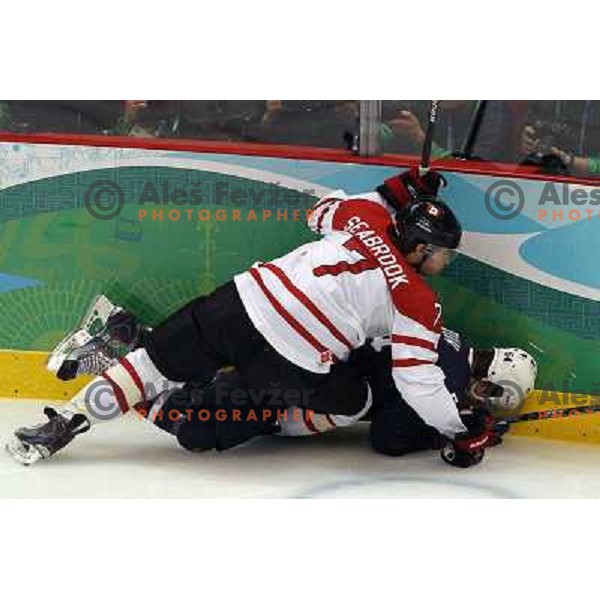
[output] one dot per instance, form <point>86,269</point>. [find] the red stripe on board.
<point>134,375</point>
<point>296,325</point>
<point>413,341</point>
<point>331,421</point>
<point>120,395</point>
<point>309,304</point>
<point>410,362</point>
<point>500,170</point>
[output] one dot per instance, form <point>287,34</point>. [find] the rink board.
<point>519,282</point>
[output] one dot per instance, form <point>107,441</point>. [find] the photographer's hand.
<point>577,164</point>
<point>407,126</point>
<point>529,140</point>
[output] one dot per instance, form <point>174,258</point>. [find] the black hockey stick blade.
<point>543,415</point>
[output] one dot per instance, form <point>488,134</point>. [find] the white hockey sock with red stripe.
<point>134,379</point>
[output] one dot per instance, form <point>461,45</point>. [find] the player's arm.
<point>418,377</point>
<point>417,316</point>
<point>420,381</point>
<point>416,329</point>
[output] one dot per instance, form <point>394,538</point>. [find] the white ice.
<point>133,459</point>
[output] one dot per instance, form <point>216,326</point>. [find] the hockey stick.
<point>428,142</point>
<point>474,128</point>
<point>543,415</point>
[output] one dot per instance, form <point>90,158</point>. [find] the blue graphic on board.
<point>8,282</point>
<point>352,178</point>
<point>461,194</point>
<point>554,250</point>
<point>569,252</point>
<point>467,200</point>
<point>563,249</point>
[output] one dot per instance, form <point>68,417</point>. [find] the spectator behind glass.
<point>61,116</point>
<point>232,120</point>
<point>229,120</point>
<point>405,123</point>
<point>320,123</point>
<point>566,130</point>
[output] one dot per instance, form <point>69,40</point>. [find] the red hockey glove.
<point>402,190</point>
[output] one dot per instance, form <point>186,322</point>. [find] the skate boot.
<point>106,333</point>
<point>31,444</point>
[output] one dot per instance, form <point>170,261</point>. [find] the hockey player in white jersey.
<point>495,380</point>
<point>296,319</point>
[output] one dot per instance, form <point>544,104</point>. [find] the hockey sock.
<point>133,380</point>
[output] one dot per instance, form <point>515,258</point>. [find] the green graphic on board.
<point>49,239</point>
<point>150,266</point>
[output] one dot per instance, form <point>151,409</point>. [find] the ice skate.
<point>105,334</point>
<point>31,444</point>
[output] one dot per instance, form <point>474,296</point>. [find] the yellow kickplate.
<point>23,375</point>
<point>579,427</point>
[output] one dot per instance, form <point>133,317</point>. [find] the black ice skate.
<point>31,444</point>
<point>106,333</point>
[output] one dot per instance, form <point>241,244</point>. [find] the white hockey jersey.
<point>323,299</point>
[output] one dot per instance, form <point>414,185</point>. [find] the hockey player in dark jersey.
<point>297,319</point>
<point>482,382</point>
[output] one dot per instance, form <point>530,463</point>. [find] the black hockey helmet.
<point>428,221</point>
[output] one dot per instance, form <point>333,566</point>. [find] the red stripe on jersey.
<point>119,394</point>
<point>309,422</point>
<point>322,217</point>
<point>296,325</point>
<point>410,362</point>
<point>324,202</point>
<point>413,341</point>
<point>331,421</point>
<point>134,375</point>
<point>309,304</point>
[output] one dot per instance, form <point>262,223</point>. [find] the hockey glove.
<point>402,190</point>
<point>468,449</point>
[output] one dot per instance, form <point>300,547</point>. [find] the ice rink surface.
<point>133,459</point>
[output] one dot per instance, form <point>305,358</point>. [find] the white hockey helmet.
<point>515,371</point>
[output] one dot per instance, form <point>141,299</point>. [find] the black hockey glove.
<point>468,449</point>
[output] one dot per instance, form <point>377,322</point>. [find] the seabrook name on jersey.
<point>393,271</point>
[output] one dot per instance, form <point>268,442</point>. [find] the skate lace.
<point>94,363</point>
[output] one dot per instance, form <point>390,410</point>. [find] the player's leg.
<point>210,417</point>
<point>109,396</point>
<point>182,348</point>
<point>227,412</point>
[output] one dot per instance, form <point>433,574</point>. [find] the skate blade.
<point>72,341</point>
<point>95,318</point>
<point>22,453</point>
<point>97,313</point>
